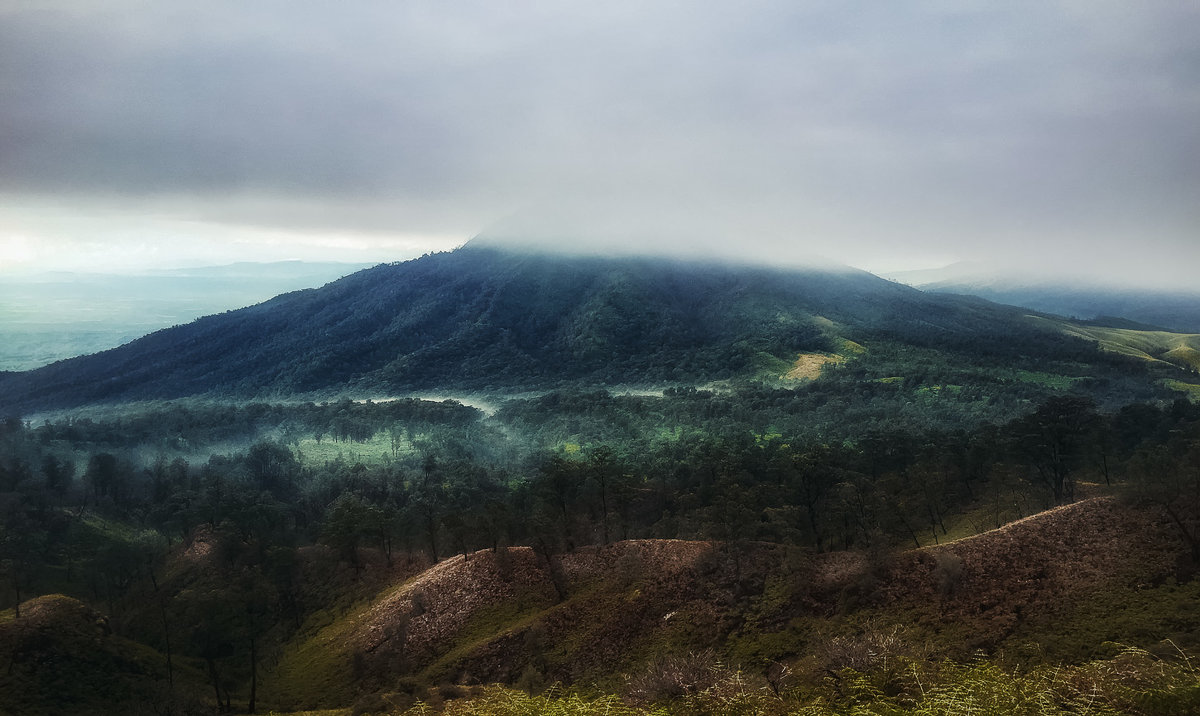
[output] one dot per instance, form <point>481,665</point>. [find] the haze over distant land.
<point>49,316</point>
<point>886,136</point>
<point>1170,307</point>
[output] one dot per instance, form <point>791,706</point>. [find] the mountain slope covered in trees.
<point>484,318</point>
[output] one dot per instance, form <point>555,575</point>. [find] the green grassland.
<point>379,449</point>
<point>1180,349</point>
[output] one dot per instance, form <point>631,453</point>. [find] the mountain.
<point>812,509</point>
<point>1164,309</point>
<point>485,318</point>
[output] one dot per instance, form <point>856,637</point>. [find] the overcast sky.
<point>1059,135</point>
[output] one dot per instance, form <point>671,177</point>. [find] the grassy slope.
<point>1180,349</point>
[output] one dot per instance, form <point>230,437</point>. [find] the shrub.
<point>500,701</point>
<point>671,677</point>
<point>870,650</point>
<point>947,571</point>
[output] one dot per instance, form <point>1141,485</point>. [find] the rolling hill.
<point>603,614</point>
<point>1179,349</point>
<point>486,318</point>
<point>617,616</point>
<point>64,659</point>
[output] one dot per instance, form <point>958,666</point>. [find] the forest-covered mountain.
<point>485,318</point>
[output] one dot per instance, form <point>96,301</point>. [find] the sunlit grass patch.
<point>1192,389</point>
<point>1182,349</point>
<point>501,701</point>
<point>808,366</point>
<point>1048,380</point>
<point>377,450</point>
<point>316,668</point>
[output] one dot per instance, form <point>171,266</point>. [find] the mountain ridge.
<point>484,318</point>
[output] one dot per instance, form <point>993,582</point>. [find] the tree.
<point>809,477</point>
<point>22,541</point>
<point>606,472</point>
<point>212,617</point>
<point>348,520</point>
<point>1168,476</point>
<point>556,486</point>
<point>272,467</point>
<point>104,476</point>
<point>58,474</point>
<point>256,597</point>
<point>1052,438</point>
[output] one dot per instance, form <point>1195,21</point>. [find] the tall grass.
<point>499,701</point>
<point>1134,682</point>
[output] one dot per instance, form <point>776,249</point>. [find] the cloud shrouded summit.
<point>1058,133</point>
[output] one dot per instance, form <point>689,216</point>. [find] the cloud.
<point>954,130</point>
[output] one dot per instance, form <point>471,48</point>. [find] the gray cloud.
<point>1066,131</point>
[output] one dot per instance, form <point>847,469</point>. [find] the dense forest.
<point>99,508</point>
<point>434,478</point>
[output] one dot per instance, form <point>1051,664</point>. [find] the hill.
<point>591,616</point>
<point>1179,349</point>
<point>62,659</point>
<point>687,625</point>
<point>484,318</point>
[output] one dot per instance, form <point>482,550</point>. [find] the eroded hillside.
<point>599,614</point>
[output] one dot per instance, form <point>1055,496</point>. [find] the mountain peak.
<point>725,253</point>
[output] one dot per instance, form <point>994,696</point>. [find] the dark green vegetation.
<point>483,319</point>
<point>260,575</point>
<point>837,541</point>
